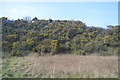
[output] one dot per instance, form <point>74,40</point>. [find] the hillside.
<point>47,37</point>
<point>40,48</point>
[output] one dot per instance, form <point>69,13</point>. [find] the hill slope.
<point>20,37</point>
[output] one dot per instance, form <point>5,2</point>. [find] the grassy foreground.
<point>60,66</point>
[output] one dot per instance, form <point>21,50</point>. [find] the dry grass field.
<point>61,66</point>
<point>67,65</point>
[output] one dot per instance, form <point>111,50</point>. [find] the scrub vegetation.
<point>58,48</point>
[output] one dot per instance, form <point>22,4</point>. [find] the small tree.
<point>27,18</point>
<point>110,26</point>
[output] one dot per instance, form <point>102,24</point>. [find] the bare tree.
<point>27,18</point>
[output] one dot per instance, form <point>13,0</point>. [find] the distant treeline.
<point>22,36</point>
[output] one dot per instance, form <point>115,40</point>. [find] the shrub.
<point>80,52</point>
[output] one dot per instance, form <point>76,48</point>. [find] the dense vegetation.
<point>22,36</point>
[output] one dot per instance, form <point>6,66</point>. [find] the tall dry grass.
<point>73,66</point>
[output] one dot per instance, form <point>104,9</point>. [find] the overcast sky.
<point>99,14</point>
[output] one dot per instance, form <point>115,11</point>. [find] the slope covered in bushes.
<point>20,37</point>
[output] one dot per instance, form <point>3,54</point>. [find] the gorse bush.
<point>80,52</point>
<point>56,36</point>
